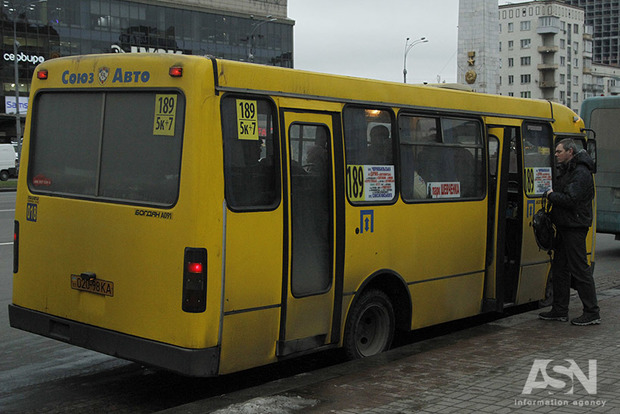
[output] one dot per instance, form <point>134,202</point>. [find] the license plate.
<point>98,286</point>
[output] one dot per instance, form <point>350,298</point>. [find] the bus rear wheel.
<point>370,326</point>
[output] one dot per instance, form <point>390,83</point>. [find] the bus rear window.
<point>114,146</point>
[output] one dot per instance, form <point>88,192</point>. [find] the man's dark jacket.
<point>573,191</point>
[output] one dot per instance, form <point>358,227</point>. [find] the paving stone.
<point>477,370</point>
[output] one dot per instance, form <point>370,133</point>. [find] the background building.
<point>247,30</point>
<point>604,17</point>
<point>545,51</point>
<point>605,80</point>
<point>478,54</point>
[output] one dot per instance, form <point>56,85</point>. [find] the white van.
<point>8,161</point>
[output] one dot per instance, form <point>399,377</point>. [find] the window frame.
<point>394,141</point>
<point>276,155</point>
<point>527,161</point>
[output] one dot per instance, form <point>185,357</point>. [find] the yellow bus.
<point>208,216</point>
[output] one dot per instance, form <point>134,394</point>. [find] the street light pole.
<point>251,36</point>
<point>18,123</point>
<point>16,9</point>
<point>408,47</point>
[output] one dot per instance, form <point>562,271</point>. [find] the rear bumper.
<point>193,362</point>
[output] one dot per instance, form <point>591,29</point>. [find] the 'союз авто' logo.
<point>103,74</point>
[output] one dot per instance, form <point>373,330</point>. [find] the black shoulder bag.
<point>544,230</point>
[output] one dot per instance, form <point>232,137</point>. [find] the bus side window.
<point>538,158</point>
<point>250,172</point>
<point>467,154</point>
<point>493,155</point>
<point>418,155</point>
<point>369,145</point>
<point>310,158</point>
<point>441,158</point>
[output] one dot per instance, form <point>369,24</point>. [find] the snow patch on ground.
<point>278,404</point>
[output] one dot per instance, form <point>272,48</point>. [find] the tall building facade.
<point>478,55</point>
<point>546,51</point>
<point>604,17</point>
<point>248,30</point>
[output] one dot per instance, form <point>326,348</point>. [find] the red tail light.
<point>42,74</point>
<point>175,71</point>
<point>194,267</point>
<point>195,280</point>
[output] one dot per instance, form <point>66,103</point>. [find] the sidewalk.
<point>489,368</point>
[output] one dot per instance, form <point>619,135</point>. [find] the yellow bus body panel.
<point>452,261</point>
<point>249,340</point>
<point>141,255</point>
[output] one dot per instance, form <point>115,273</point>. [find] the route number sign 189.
<point>165,112</point>
<point>247,120</point>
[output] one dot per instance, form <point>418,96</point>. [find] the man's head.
<point>565,150</point>
<point>379,135</point>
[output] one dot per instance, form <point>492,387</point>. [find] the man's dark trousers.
<point>570,260</point>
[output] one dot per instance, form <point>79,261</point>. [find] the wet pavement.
<point>518,363</point>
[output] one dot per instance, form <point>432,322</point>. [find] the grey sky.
<point>366,38</point>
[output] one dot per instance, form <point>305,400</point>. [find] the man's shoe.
<point>586,319</point>
<point>552,316</point>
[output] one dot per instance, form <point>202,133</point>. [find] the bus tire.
<point>370,326</point>
<point>4,175</point>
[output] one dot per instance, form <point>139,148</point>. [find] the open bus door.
<point>537,172</point>
<point>520,166</point>
<point>310,304</point>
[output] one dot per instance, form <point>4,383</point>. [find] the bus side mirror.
<point>591,145</point>
<point>591,148</point>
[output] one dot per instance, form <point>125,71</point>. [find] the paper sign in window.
<point>444,189</point>
<point>165,114</point>
<point>538,180</point>
<point>370,182</point>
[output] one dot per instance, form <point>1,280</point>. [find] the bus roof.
<point>232,76</point>
<point>288,82</point>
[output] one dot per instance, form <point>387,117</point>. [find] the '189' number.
<point>529,181</point>
<point>166,104</point>
<point>355,182</point>
<point>247,109</point>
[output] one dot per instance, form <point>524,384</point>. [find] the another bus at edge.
<point>602,115</point>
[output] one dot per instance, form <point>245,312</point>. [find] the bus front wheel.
<point>370,326</point>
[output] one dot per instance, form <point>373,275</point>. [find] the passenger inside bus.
<point>463,162</point>
<point>430,159</point>
<point>318,158</point>
<point>380,148</point>
<point>419,186</point>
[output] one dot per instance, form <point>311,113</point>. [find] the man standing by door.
<point>572,216</point>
